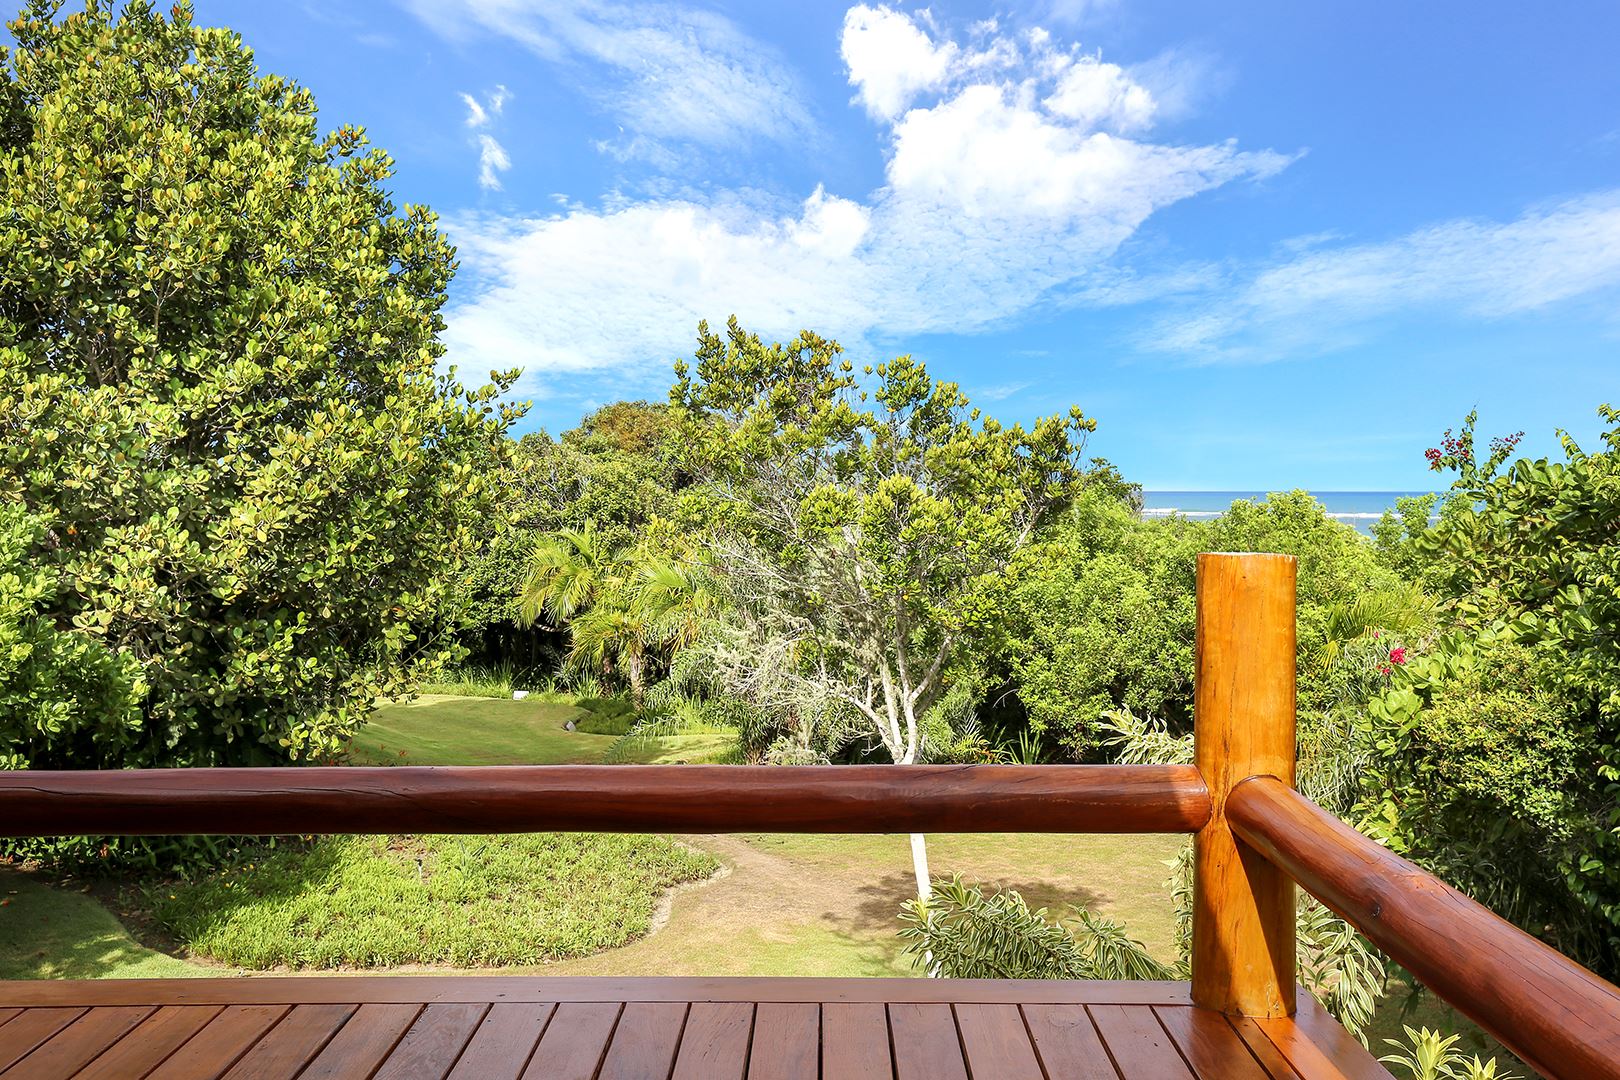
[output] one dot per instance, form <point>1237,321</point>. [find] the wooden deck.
<point>422,1028</point>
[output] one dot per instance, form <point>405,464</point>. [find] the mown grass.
<point>60,932</point>
<point>461,901</point>
<point>442,730</point>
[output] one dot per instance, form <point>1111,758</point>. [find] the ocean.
<point>1358,508</point>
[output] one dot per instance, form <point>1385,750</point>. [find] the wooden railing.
<point>1255,837</point>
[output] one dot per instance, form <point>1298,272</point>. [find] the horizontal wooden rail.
<point>607,798</point>
<point>1560,1018</point>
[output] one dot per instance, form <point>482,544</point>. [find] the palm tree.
<point>677,598</point>
<point>619,605</point>
<point>610,637</point>
<point>568,570</point>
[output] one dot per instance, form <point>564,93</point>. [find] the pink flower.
<point>1397,655</point>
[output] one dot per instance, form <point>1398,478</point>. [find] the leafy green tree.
<point>56,685</point>
<point>870,522</point>
<point>1098,616</point>
<point>218,391</point>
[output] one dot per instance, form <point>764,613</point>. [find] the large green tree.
<point>864,525</point>
<point>219,392</point>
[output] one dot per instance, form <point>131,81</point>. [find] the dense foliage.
<point>1496,746</point>
<point>247,486</point>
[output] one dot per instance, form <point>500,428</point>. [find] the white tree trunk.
<point>919,864</point>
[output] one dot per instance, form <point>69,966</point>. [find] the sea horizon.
<point>1358,508</point>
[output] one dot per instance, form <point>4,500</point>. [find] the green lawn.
<point>51,932</point>
<point>437,729</point>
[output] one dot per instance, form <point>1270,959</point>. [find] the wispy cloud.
<point>667,74</point>
<point>492,156</point>
<point>1319,294</point>
<point>1016,165</point>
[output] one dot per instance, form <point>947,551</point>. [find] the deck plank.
<point>855,1041</point>
<point>144,1048</point>
<point>363,1043</point>
<point>221,1043</point>
<point>1067,1042</point>
<point>715,1043</point>
<point>787,1041</point>
<point>926,1045</point>
<point>291,1044</point>
<point>644,1043</point>
<point>76,1045</point>
<point>429,1048</point>
<point>405,1028</point>
<point>575,1042</point>
<point>1263,1049</point>
<point>1139,1045</point>
<point>996,1043</point>
<point>31,1027</point>
<point>1210,1045</point>
<point>503,1043</point>
<point>1318,1048</point>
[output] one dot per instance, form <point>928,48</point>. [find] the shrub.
<point>605,716</point>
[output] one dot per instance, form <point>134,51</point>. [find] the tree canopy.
<point>247,482</point>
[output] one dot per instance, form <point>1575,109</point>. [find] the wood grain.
<point>605,798</point>
<point>434,1042</point>
<point>787,1041</point>
<point>645,1041</point>
<point>855,1041</point>
<point>76,1045</point>
<point>144,1048</point>
<point>1068,1043</point>
<point>503,1043</point>
<point>291,1044</point>
<point>1140,1047</point>
<point>221,1044</point>
<point>996,1043</point>
<point>575,1041</point>
<point>1244,702</point>
<point>714,1045</point>
<point>926,1045</point>
<point>22,1033</point>
<point>1206,1039</point>
<point>1563,1020</point>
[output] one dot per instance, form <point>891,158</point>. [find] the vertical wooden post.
<point>1243,691</point>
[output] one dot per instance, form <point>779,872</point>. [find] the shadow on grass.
<point>62,932</point>
<point>879,910</point>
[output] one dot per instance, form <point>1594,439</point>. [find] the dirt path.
<point>811,905</point>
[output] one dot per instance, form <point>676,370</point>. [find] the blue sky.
<point>1266,244</point>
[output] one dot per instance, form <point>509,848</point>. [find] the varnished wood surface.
<point>606,798</point>
<point>1560,1018</point>
<point>1244,701</point>
<point>1021,1031</point>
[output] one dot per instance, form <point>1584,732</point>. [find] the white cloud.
<point>492,156</point>
<point>891,59</point>
<point>1320,295</point>
<point>1095,94</point>
<point>666,73</point>
<point>492,160</point>
<point>1002,192</point>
